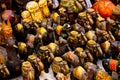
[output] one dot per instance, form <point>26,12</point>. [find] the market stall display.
<point>65,37</point>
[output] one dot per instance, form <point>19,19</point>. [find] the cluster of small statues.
<point>68,35</point>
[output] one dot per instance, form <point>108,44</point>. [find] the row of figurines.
<point>63,22</point>
<point>19,5</point>
<point>87,23</point>
<point>67,11</point>
<point>66,67</point>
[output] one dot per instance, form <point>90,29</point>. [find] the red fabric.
<point>113,65</point>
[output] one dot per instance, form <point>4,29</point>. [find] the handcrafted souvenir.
<point>19,31</point>
<point>76,39</point>
<point>80,73</point>
<point>56,17</point>
<point>101,23</point>
<point>41,31</point>
<point>84,55</point>
<point>32,6</point>
<point>22,49</point>
<point>59,29</point>
<point>103,35</point>
<point>37,42</point>
<point>64,30</point>
<point>46,34</point>
<point>26,16</point>
<point>50,34</point>
<point>111,49</point>
<point>37,65</point>
<point>81,54</point>
<point>36,13</point>
<point>44,8</point>
<point>73,4</point>
<point>93,13</point>
<point>77,27</point>
<point>30,43</point>
<point>71,58</point>
<point>6,30</point>
<point>91,35</point>
<point>46,56</point>
<point>52,47</point>
<point>63,15</point>
<point>36,62</point>
<point>62,47</point>
<point>71,15</point>
<point>4,72</point>
<point>60,65</point>
<point>85,20</point>
<point>73,39</point>
<point>82,39</point>
<point>95,49</point>
<point>28,72</point>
